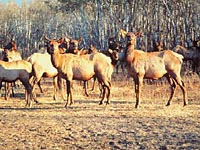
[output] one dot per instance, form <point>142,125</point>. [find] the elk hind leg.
<point>85,85</point>
<point>183,88</point>
<point>103,94</point>
<point>173,88</point>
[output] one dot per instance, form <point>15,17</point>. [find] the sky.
<point>18,1</point>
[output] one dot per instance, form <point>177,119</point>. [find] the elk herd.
<point>64,60</point>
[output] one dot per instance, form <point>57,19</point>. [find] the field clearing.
<point>86,125</point>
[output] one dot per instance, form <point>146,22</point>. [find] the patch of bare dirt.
<point>86,125</point>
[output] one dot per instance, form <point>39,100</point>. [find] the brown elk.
<point>73,45</point>
<point>9,54</point>
<point>12,71</point>
<point>85,69</point>
<point>158,46</point>
<point>192,55</point>
<point>114,45</point>
<point>112,54</point>
<point>153,65</point>
<point>42,67</point>
<point>11,46</point>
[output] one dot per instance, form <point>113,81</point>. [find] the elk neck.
<point>55,59</point>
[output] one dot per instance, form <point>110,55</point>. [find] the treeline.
<point>169,21</point>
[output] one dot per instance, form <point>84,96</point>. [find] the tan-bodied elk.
<point>112,54</point>
<point>153,65</point>
<point>42,67</point>
<point>75,67</point>
<point>20,69</point>
<point>86,53</point>
<point>9,54</point>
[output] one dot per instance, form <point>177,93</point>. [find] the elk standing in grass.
<point>153,65</point>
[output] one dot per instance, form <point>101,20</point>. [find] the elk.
<point>112,54</point>
<point>192,55</point>
<point>153,65</point>
<point>114,45</point>
<point>11,46</point>
<point>20,69</point>
<point>157,46</point>
<point>74,67</point>
<point>42,67</point>
<point>72,45</point>
<point>9,54</point>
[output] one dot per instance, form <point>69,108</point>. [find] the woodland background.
<point>86,125</point>
<point>171,21</point>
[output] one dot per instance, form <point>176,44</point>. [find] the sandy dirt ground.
<point>86,125</point>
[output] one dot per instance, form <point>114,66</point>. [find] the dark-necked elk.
<point>75,67</point>
<point>192,55</point>
<point>115,45</point>
<point>73,45</point>
<point>157,46</point>
<point>153,65</point>
<point>11,46</point>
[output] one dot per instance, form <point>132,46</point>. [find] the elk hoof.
<point>167,104</point>
<point>107,102</point>
<point>28,105</point>
<point>54,98</point>
<point>66,106</point>
<point>100,103</point>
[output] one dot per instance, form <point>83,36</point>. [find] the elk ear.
<point>122,33</point>
<point>66,39</point>
<point>60,40</point>
<point>110,51</point>
<point>46,39</point>
<point>157,44</point>
<point>139,33</point>
<point>76,51</point>
<point>92,47</point>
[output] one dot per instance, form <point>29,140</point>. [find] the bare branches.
<point>172,22</point>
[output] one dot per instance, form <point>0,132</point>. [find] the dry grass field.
<point>86,125</point>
